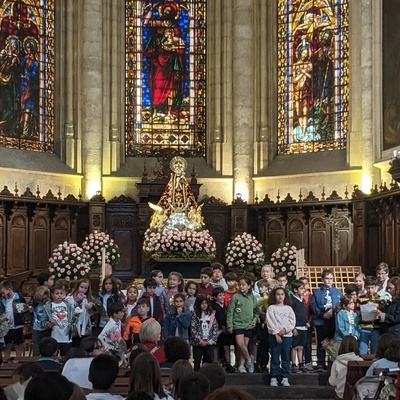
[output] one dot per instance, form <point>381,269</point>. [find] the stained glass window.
<point>165,78</point>
<point>27,74</point>
<point>313,75</point>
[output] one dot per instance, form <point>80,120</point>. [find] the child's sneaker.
<point>285,382</point>
<point>249,366</point>
<point>274,382</point>
<point>242,369</point>
<point>309,367</point>
<point>303,369</point>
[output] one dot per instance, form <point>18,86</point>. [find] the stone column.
<point>92,97</point>
<point>243,98</point>
<point>369,144</point>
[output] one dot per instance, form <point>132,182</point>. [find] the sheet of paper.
<point>368,311</point>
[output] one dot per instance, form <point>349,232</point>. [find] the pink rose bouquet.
<point>285,260</point>
<point>93,244</point>
<point>244,253</point>
<point>68,261</point>
<point>178,244</point>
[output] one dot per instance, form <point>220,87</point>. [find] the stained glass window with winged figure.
<point>313,75</point>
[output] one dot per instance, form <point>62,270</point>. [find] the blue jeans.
<point>280,356</point>
<point>371,337</point>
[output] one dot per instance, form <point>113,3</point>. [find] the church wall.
<point>241,117</point>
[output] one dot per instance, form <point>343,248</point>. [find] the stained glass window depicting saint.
<point>27,74</point>
<point>313,75</point>
<point>165,78</point>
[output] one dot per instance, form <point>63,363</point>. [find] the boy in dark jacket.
<point>302,325</point>
<point>149,294</point>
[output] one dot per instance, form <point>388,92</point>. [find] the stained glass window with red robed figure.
<point>165,78</point>
<point>27,74</point>
<point>313,75</point>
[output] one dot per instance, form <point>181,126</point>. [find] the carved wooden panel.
<point>17,244</point>
<point>3,222</point>
<point>39,241</point>
<point>121,217</point>
<point>275,233</point>
<point>216,218</point>
<point>123,231</point>
<point>373,239</point>
<point>345,231</point>
<point>388,234</point>
<point>239,220</point>
<point>397,236</point>
<point>297,232</point>
<point>60,230</point>
<point>320,249</point>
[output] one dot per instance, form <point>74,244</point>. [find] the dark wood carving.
<point>17,243</point>
<point>39,236</point>
<point>368,230</point>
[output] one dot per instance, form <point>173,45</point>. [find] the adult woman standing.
<point>382,274</point>
<point>390,316</point>
<point>323,305</point>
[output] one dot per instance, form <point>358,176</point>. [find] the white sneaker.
<point>274,382</point>
<point>249,366</point>
<point>285,382</point>
<point>242,369</point>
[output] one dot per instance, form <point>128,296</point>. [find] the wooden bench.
<point>355,371</point>
<point>121,385</point>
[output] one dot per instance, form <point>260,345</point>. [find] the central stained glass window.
<point>313,75</point>
<point>165,78</point>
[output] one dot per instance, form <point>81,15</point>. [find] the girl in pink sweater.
<point>280,321</point>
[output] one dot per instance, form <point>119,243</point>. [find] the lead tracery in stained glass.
<point>27,74</point>
<point>165,78</point>
<point>313,75</point>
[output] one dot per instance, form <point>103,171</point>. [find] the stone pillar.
<point>92,97</point>
<point>369,144</point>
<point>243,98</point>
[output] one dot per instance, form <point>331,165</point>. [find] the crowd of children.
<point>266,320</point>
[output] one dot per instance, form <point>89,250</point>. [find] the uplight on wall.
<point>93,187</point>
<point>366,183</point>
<point>243,190</point>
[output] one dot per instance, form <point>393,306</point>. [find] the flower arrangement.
<point>4,325</point>
<point>68,261</point>
<point>93,244</point>
<point>244,253</point>
<point>116,345</point>
<point>178,244</point>
<point>285,260</point>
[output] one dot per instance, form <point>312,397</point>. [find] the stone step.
<point>292,392</point>
<point>306,379</point>
<point>303,386</point>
